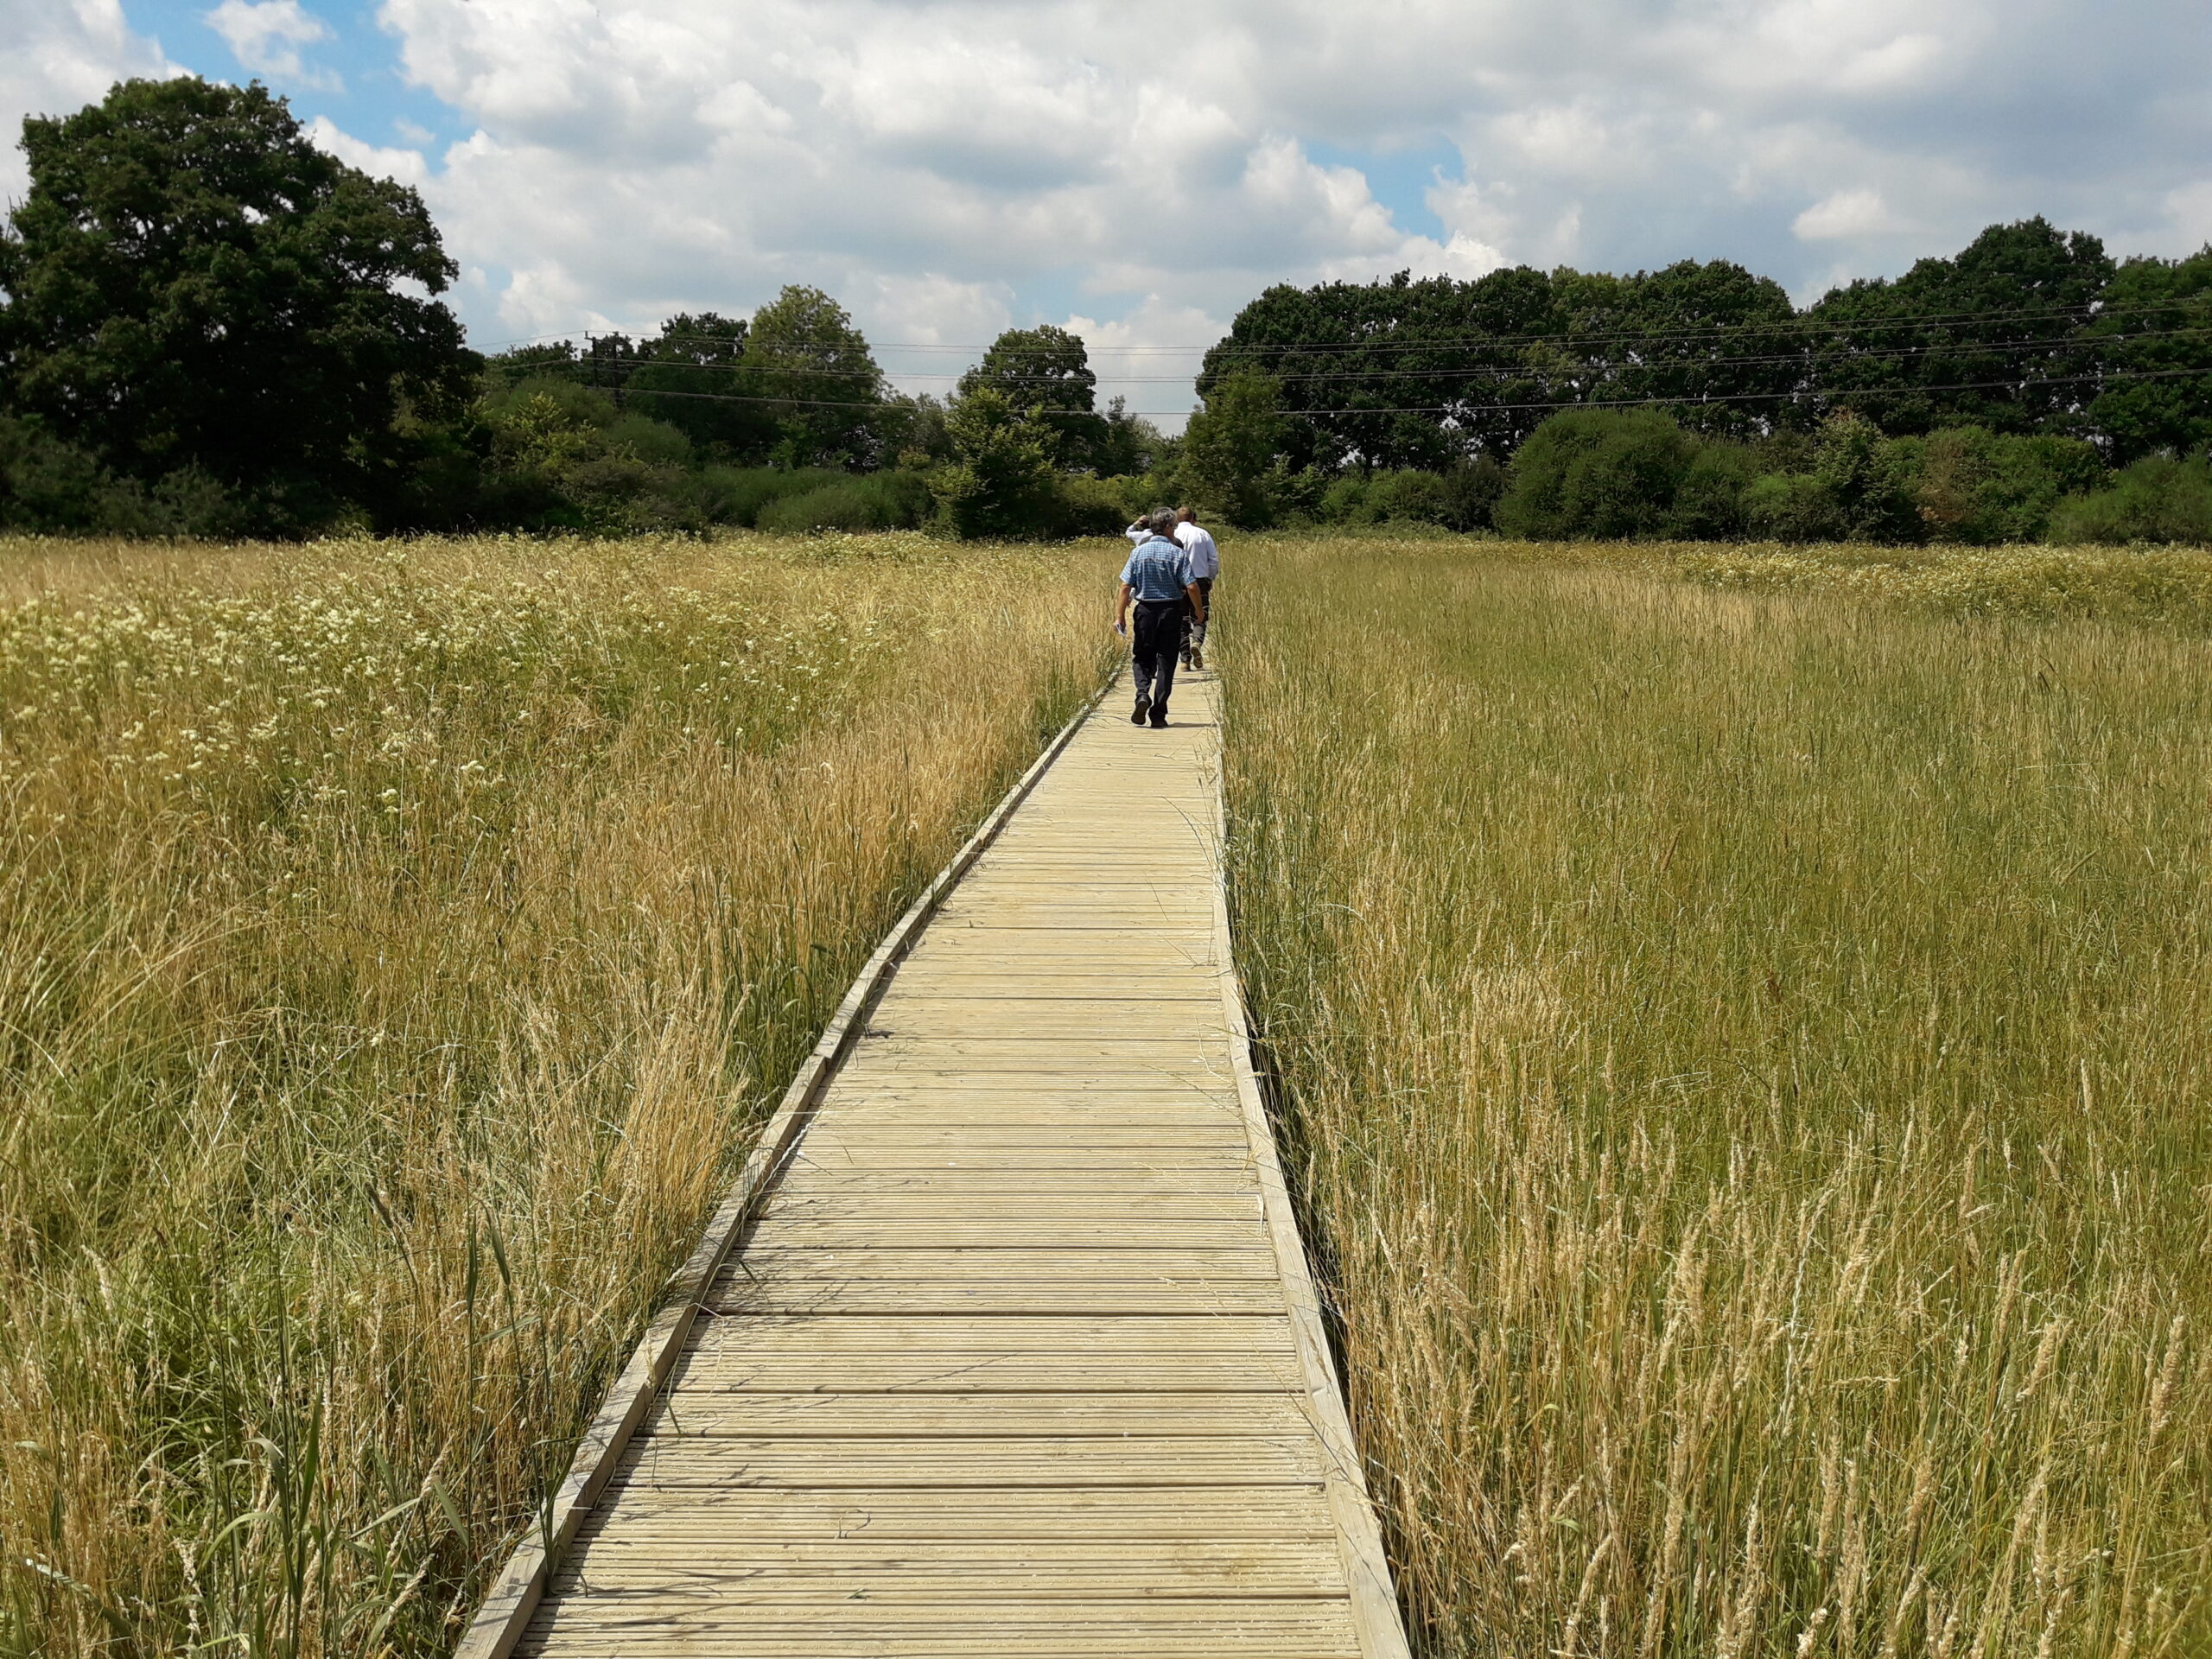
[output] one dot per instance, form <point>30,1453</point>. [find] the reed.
<point>399,946</point>
<point>1743,1059</point>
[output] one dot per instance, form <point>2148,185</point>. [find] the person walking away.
<point>1205,565</point>
<point>1157,580</point>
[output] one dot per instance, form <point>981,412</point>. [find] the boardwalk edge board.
<point>1375,1620</point>
<point>504,1613</point>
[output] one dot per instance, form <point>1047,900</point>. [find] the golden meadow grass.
<point>2170,587</point>
<point>1745,1061</point>
<point>398,946</point>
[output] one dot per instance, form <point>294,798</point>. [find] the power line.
<point>1506,372</point>
<point>1849,393</point>
<point>1803,322</point>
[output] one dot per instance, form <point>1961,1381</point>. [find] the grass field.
<point>1745,1058</point>
<point>397,945</point>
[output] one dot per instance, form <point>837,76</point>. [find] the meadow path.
<point>1021,1357</point>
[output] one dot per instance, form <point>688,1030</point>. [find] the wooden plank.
<point>989,1371</point>
<point>1083,1572</point>
<point>1004,1462</point>
<point>900,1417</point>
<point>907,1518</point>
<point>612,1628</point>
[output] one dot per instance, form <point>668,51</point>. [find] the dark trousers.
<point>1194,631</point>
<point>1155,637</point>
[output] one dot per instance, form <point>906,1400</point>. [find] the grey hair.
<point>1163,522</point>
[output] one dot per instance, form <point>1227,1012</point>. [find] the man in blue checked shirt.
<point>1157,578</point>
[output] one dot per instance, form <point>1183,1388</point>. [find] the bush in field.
<point>2157,499</point>
<point>1609,474</point>
<point>51,486</point>
<point>1004,481</point>
<point>1979,488</point>
<point>1862,487</point>
<point>1709,502</point>
<point>862,501</point>
<point>1101,507</point>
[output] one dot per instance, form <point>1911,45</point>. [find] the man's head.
<point>1186,515</point>
<point>1161,523</point>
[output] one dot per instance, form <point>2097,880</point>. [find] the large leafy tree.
<point>694,377</point>
<point>1001,481</point>
<point>1046,371</point>
<point>812,365</point>
<point>1991,337</point>
<point>1407,373</point>
<point>1233,444</point>
<point>192,287</point>
<point>2153,346</point>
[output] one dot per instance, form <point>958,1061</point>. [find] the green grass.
<point>1745,1060</point>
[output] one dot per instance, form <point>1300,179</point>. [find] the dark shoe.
<point>1159,720</point>
<point>1186,659</point>
<point>1143,704</point>
<point>1198,661</point>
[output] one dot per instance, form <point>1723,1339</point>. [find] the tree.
<point>803,355</point>
<point>1232,444</point>
<point>694,377</point>
<point>1047,372</point>
<point>1991,338</point>
<point>2151,341</point>
<point>1003,481</point>
<point>194,287</point>
<point>1131,445</point>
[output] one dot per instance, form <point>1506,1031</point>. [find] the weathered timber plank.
<point>843,1417</point>
<point>950,1515</point>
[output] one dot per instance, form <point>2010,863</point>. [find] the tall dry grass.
<point>1746,1062</point>
<point>398,948</point>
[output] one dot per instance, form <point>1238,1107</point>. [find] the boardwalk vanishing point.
<point>1007,1344</point>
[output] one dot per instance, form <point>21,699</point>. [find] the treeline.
<point>208,327</point>
<point>2029,386</point>
<point>1618,474</point>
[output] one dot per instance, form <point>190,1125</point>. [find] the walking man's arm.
<point>1197,603</point>
<point>1122,611</point>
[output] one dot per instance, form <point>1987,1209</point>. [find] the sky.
<point>1137,169</point>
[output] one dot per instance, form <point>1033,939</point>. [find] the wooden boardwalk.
<point>1020,1357</point>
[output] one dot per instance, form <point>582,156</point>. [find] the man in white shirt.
<point>1205,565</point>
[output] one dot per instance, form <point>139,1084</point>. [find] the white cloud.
<point>56,59</point>
<point>1845,215</point>
<point>265,36</point>
<point>407,166</point>
<point>2190,208</point>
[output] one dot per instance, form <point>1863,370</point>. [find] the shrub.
<point>861,501</point>
<point>1791,507</point>
<point>739,495</point>
<point>1709,502</point>
<point>53,488</point>
<point>1862,487</point>
<point>2157,499</point>
<point>1102,507</point>
<point>1004,483</point>
<point>1978,487</point>
<point>1610,474</point>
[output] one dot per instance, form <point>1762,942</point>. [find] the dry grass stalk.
<point>1746,1060</point>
